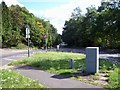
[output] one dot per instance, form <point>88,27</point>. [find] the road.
<point>109,55</point>
<point>9,55</point>
<point>15,55</point>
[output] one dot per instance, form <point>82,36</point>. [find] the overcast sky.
<point>56,11</point>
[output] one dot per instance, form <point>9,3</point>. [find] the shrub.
<point>21,46</point>
<point>114,79</point>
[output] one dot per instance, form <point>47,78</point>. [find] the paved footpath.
<point>52,80</point>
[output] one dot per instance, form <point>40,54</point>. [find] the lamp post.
<point>28,36</point>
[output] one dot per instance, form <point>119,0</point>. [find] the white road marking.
<point>109,55</point>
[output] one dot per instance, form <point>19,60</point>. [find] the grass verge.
<point>114,79</point>
<point>59,63</point>
<point>12,79</point>
<point>55,62</point>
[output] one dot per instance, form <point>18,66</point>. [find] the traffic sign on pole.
<point>27,31</point>
<point>28,36</point>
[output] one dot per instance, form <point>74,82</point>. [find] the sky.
<point>55,11</point>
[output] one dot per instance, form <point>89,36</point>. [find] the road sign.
<point>27,31</point>
<point>28,36</point>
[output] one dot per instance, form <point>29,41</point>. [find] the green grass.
<point>106,66</point>
<point>59,63</point>
<point>12,79</point>
<point>114,79</point>
<point>55,62</point>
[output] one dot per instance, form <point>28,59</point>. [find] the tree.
<point>99,27</point>
<point>14,20</point>
<point>6,26</point>
<point>0,26</point>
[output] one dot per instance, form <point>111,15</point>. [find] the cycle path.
<point>52,80</point>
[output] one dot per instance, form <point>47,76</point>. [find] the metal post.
<point>45,44</point>
<point>28,48</point>
<point>28,36</point>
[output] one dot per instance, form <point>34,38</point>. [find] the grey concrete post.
<point>71,63</point>
<point>92,59</point>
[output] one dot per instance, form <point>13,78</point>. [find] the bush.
<point>114,79</point>
<point>21,46</point>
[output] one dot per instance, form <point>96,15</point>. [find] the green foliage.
<point>98,27</point>
<point>12,79</point>
<point>6,26</point>
<point>114,79</point>
<point>21,46</point>
<point>106,65</point>
<point>14,21</point>
<point>58,39</point>
<point>0,27</point>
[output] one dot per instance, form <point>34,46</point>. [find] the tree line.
<point>13,25</point>
<point>98,27</point>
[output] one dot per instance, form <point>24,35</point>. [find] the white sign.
<point>27,31</point>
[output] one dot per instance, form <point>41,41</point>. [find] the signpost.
<point>28,36</point>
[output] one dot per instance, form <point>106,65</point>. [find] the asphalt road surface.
<point>16,55</point>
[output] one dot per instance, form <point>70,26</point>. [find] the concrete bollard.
<point>92,59</point>
<point>71,63</point>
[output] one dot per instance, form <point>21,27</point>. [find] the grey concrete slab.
<point>92,59</point>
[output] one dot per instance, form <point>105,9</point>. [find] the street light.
<point>28,36</point>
